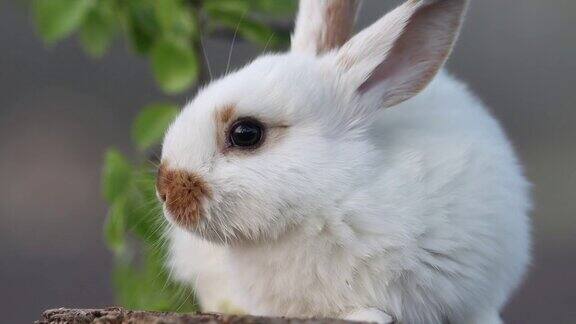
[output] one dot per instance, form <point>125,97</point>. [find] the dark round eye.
<point>246,133</point>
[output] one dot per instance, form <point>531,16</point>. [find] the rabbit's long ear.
<point>323,25</point>
<point>398,55</point>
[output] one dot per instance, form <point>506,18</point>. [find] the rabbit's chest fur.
<point>308,273</point>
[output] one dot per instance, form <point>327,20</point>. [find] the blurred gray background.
<point>60,110</point>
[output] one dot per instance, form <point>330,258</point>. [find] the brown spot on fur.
<point>182,192</point>
<point>224,116</point>
<point>226,113</point>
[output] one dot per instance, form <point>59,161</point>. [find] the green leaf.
<point>249,28</point>
<point>149,286</point>
<point>268,7</point>
<point>144,215</point>
<point>175,66</point>
<point>145,218</point>
<point>164,294</point>
<point>273,7</point>
<point>97,31</point>
<point>125,280</point>
<point>177,20</point>
<point>166,12</point>
<point>114,228</point>
<point>142,25</point>
<point>151,124</point>
<point>116,176</point>
<point>259,33</point>
<point>57,19</point>
<point>237,7</point>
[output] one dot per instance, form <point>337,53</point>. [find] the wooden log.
<point>118,315</point>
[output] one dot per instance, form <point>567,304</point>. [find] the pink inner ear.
<point>392,66</point>
<point>418,53</point>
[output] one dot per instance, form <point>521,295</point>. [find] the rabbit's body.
<point>417,213</point>
<point>439,231</point>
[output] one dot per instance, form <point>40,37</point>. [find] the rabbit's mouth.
<point>188,202</point>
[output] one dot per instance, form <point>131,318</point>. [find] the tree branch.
<point>118,315</point>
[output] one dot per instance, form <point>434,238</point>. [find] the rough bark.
<point>118,315</point>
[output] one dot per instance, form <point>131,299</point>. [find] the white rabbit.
<point>306,184</point>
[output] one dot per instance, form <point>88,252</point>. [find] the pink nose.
<point>182,192</point>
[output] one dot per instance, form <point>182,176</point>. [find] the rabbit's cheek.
<point>183,193</point>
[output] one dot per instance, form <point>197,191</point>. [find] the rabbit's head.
<point>283,139</point>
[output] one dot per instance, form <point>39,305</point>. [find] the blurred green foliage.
<point>168,33</point>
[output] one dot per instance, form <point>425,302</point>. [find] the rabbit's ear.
<point>398,55</point>
<point>323,25</point>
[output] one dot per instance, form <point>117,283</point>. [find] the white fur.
<point>416,214</point>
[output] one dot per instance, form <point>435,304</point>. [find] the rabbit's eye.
<point>246,133</point>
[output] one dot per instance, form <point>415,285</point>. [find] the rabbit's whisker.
<point>234,42</point>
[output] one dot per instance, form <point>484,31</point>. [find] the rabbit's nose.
<point>183,193</point>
